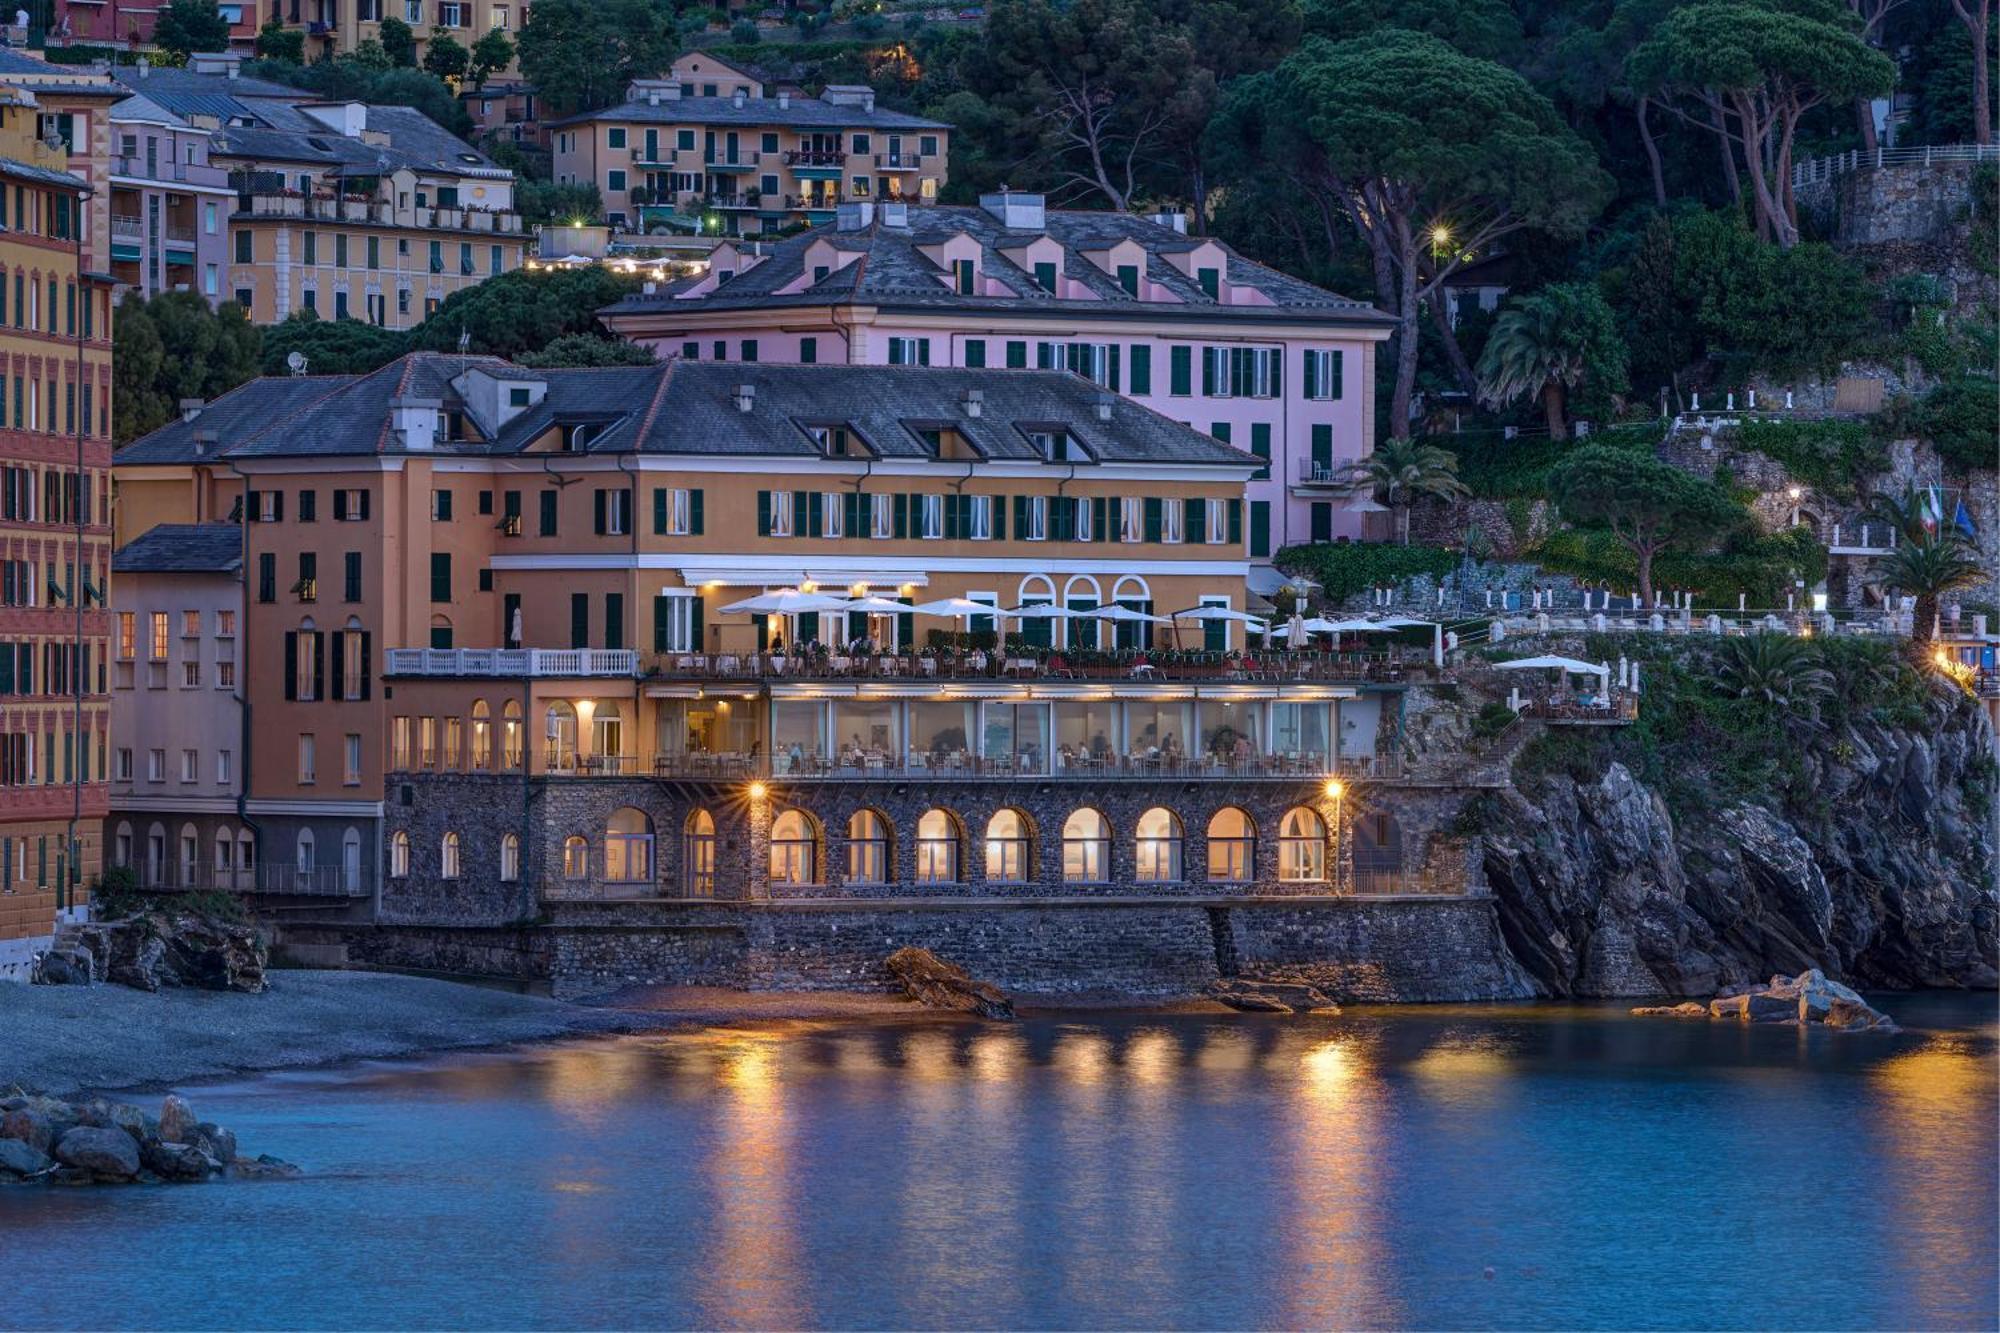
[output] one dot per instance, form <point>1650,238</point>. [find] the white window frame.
<point>1218,522</point>
<point>833,513</point>
<point>982,519</point>
<point>680,620</point>
<point>931,512</point>
<point>781,513</point>
<point>1038,518</point>
<point>1173,521</point>
<point>680,511</point>
<point>1132,518</point>
<point>881,518</point>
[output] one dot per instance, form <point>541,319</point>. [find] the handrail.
<point>1838,164</point>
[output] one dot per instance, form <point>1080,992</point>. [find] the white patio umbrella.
<point>1220,613</point>
<point>953,606</point>
<point>1568,664</point>
<point>1313,626</point>
<point>1357,627</point>
<point>787,602</point>
<point>874,606</point>
<point>1040,611</point>
<point>1116,612</point>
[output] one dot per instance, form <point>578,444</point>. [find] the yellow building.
<point>336,27</point>
<point>55,516</point>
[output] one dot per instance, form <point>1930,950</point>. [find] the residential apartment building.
<point>1180,324</point>
<point>488,634</point>
<point>347,210</point>
<point>337,27</point>
<point>55,514</point>
<point>72,105</point>
<point>123,23</point>
<point>708,147</point>
<point>176,723</point>
<point>169,204</point>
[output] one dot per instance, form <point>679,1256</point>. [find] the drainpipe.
<point>241,692</point>
<point>79,756</point>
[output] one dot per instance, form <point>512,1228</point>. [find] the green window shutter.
<point>1278,373</point>
<point>694,513</point>
<point>1221,431</point>
<point>1208,360</point>
<point>808,351</point>
<point>1180,371</point>
<point>906,624</point>
<point>1017,355</point>
<point>1142,370</point>
<point>694,624</point>
<point>999,525</point>
<point>614,620</point>
<point>800,518</point>
<point>1260,445</point>
<point>579,620</point>
<point>1260,528</point>
<point>598,512</point>
<point>948,515</point>
<point>1322,449</point>
<point>902,515</point>
<point>1100,518</point>
<point>660,620</point>
<point>1336,373</point>
<point>1045,356</point>
<point>659,509</point>
<point>975,353</point>
<point>851,515</point>
<point>762,624</point>
<point>815,514</point>
<point>1236,523</point>
<point>291,665</point>
<point>1194,521</point>
<point>1112,358</point>
<point>763,513</point>
<point>808,626</point>
<point>1045,276</point>
<point>1155,518</point>
<point>1021,518</point>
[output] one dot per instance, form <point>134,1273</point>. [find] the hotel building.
<point>489,661</point>
<point>55,535</point>
<point>1179,324</point>
<point>707,146</point>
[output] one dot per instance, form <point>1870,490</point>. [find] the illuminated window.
<point>1086,847</point>
<point>937,847</point>
<point>867,848</point>
<point>794,850</point>
<point>1301,846</point>
<point>1008,854</point>
<point>1157,845</point>
<point>1232,845</point>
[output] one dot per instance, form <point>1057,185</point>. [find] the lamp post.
<point>1336,790</point>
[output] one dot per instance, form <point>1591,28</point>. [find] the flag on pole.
<point>1933,511</point>
<point>1962,520</point>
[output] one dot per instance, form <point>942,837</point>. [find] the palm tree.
<point>1400,472</point>
<point>1929,570</point>
<point>1546,345</point>
<point>1907,513</point>
<point>1777,670</point>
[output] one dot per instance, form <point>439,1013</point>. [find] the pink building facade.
<point>1181,324</point>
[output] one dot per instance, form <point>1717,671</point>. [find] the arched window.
<point>440,631</point>
<point>698,855</point>
<point>304,853</point>
<point>1232,847</point>
<point>225,857</point>
<point>1086,847</point>
<point>937,847</point>
<point>1009,850</point>
<point>867,848</point>
<point>576,857</point>
<point>559,733</point>
<point>448,857</point>
<point>510,859</point>
<point>190,865</point>
<point>628,847</point>
<point>794,849</point>
<point>399,855</point>
<point>1157,845</point>
<point>510,734</point>
<point>454,744</point>
<point>482,737</point>
<point>246,852</point>
<point>1301,845</point>
<point>121,847</point>
<point>350,861</point>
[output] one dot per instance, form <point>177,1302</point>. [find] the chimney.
<point>746,397</point>
<point>975,402</point>
<point>895,214</point>
<point>191,408</point>
<point>1017,211</point>
<point>854,215</point>
<point>784,99</point>
<point>737,98</point>
<point>1173,221</point>
<point>415,421</point>
<point>1104,401</point>
<point>653,97</point>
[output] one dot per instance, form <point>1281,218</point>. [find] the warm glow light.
<point>1440,235</point>
<point>757,791</point>
<point>1794,492</point>
<point>1335,789</point>
<point>807,586</point>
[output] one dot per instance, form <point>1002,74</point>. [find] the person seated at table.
<point>1171,747</point>
<point>794,757</point>
<point>978,659</point>
<point>1100,747</point>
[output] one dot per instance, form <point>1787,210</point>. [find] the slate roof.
<point>182,548</point>
<point>805,113</point>
<point>891,271</point>
<point>185,92</point>
<point>687,408</point>
<point>27,171</point>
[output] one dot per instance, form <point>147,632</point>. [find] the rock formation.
<point>1809,997</point>
<point>1885,878</point>
<point>46,1140</point>
<point>156,949</point>
<point>1270,997</point>
<point>936,984</point>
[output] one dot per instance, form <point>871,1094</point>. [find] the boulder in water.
<point>1690,1009</point>
<point>1269,997</point>
<point>22,1159</point>
<point>107,1153</point>
<point>937,984</point>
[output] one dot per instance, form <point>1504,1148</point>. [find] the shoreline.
<point>71,1041</point>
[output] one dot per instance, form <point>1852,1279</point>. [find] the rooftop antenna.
<point>296,361</point>
<point>464,343</point>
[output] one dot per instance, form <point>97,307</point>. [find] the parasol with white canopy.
<point>1566,664</point>
<point>787,602</point>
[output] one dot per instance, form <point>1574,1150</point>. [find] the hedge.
<point>1347,568</point>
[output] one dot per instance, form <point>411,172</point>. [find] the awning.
<point>838,581</point>
<point>1266,580</point>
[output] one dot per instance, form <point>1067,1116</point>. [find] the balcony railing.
<point>1863,539</point>
<point>964,767</point>
<point>156,170</point>
<point>593,765</point>
<point>329,208</point>
<point>317,881</point>
<point>1330,475</point>
<point>127,228</point>
<point>815,157</point>
<point>898,162</point>
<point>732,162</point>
<point>532,662</point>
<point>815,203</point>
<point>1123,664</point>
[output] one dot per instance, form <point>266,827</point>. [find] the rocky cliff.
<point>1873,860</point>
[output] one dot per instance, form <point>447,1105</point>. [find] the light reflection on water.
<point>1441,1167</point>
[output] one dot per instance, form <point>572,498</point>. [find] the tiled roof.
<point>182,548</point>
<point>41,175</point>
<point>806,113</point>
<point>893,272</point>
<point>689,408</point>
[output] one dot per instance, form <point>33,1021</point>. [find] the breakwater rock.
<point>44,1140</point>
<point>155,949</point>
<point>1874,861</point>
<point>937,984</point>
<point>1809,997</point>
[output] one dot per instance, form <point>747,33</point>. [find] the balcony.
<point>1378,666</point>
<point>156,170</point>
<point>1315,475</point>
<point>315,881</point>
<point>960,766</point>
<point>1866,539</point>
<point>815,157</point>
<point>571,764</point>
<point>732,162</point>
<point>528,662</point>
<point>898,162</point>
<point>133,230</point>
<point>351,208</point>
<point>813,203</point>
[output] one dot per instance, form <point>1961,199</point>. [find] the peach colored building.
<point>1181,324</point>
<point>457,565</point>
<point>55,514</point>
<point>710,147</point>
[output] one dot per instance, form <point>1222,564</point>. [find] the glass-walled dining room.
<point>1161,733</point>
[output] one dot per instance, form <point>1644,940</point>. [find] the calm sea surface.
<point>1459,1167</point>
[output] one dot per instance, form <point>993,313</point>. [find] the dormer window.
<point>1045,276</point>
<point>1211,282</point>
<point>1056,445</point>
<point>963,275</point>
<point>835,441</point>
<point>1128,278</point>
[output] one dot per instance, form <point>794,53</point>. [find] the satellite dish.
<point>297,361</point>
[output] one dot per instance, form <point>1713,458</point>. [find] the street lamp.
<point>1335,791</point>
